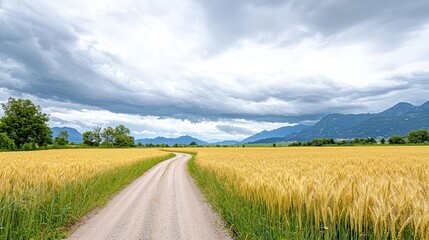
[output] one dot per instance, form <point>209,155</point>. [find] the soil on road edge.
<point>163,203</point>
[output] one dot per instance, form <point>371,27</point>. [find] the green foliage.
<point>124,141</point>
<point>343,142</point>
<point>92,138</point>
<point>6,143</point>
<point>418,136</point>
<point>369,140</point>
<point>62,139</point>
<point>382,141</point>
<point>396,140</point>
<point>29,146</point>
<point>24,122</point>
<point>193,144</point>
<point>123,137</point>
<point>322,141</point>
<point>108,135</point>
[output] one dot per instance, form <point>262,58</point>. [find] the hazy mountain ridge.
<point>275,133</point>
<point>171,141</point>
<point>397,120</point>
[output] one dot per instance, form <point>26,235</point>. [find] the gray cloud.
<point>234,130</point>
<point>387,22</point>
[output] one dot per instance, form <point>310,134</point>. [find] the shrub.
<point>418,136</point>
<point>396,140</point>
<point>6,143</point>
<point>29,146</point>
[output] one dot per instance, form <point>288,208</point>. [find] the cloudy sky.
<point>212,69</point>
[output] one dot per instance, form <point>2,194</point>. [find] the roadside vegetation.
<point>318,193</point>
<point>44,192</point>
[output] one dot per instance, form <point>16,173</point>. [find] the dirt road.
<point>162,204</point>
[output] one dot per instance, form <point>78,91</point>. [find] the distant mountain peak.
<point>276,133</point>
<point>399,109</point>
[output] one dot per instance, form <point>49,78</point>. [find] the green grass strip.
<point>26,218</point>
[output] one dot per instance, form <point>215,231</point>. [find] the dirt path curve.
<point>162,204</point>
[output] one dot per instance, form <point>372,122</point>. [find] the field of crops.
<point>41,192</point>
<point>318,193</point>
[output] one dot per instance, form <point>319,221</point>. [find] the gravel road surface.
<point>164,203</point>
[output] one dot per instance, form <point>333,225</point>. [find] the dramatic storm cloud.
<point>212,69</point>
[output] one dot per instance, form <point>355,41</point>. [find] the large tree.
<point>123,137</point>
<point>24,122</point>
<point>92,138</point>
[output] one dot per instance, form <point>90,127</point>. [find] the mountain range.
<point>74,135</point>
<point>273,134</point>
<point>397,120</point>
<point>171,141</point>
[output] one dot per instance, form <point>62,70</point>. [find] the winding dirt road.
<point>162,204</point>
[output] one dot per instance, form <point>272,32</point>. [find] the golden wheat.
<point>22,172</point>
<point>385,189</point>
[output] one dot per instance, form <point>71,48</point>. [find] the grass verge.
<point>48,217</point>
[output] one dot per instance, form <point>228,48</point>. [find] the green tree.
<point>108,135</point>
<point>123,137</point>
<point>6,143</point>
<point>24,122</point>
<point>396,140</point>
<point>418,136</point>
<point>124,141</point>
<point>382,141</point>
<point>122,130</point>
<point>193,144</point>
<point>62,139</point>
<point>92,138</point>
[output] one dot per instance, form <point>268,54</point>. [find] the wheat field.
<point>42,192</point>
<point>24,172</point>
<point>320,193</point>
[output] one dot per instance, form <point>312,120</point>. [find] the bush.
<point>396,140</point>
<point>29,146</point>
<point>369,140</point>
<point>322,141</point>
<point>6,143</point>
<point>107,145</point>
<point>295,144</point>
<point>418,136</point>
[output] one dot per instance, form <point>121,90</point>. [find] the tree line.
<point>414,137</point>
